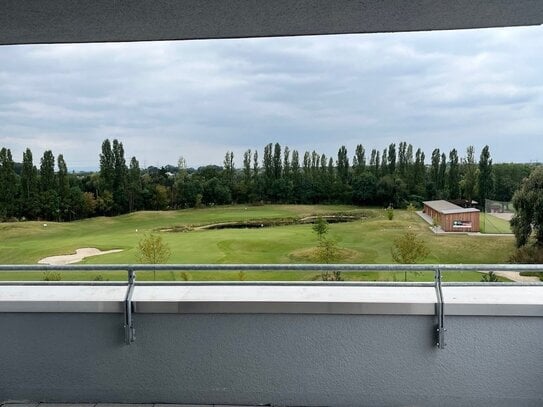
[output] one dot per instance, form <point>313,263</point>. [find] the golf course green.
<point>367,239</point>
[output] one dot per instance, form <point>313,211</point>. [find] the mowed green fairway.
<point>367,240</point>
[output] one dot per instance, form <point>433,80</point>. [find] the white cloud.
<point>201,98</point>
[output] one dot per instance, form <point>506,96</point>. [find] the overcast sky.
<point>198,99</point>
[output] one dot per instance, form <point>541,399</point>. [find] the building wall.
<point>287,360</point>
<point>446,220</point>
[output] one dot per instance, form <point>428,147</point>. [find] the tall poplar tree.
<point>120,177</point>
<point>453,179</point>
<point>63,187</point>
<point>135,185</point>
<point>107,168</point>
<point>29,187</point>
<point>468,183</point>
<point>486,176</point>
<point>342,164</point>
<point>391,158</point>
<point>359,160</point>
<point>8,185</point>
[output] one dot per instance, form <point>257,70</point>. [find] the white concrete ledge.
<point>274,299</point>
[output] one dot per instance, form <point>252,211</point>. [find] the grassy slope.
<point>369,241</point>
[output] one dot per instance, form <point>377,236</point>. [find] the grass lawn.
<point>365,241</point>
<point>493,224</point>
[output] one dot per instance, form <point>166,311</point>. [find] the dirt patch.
<point>310,255</point>
<point>79,255</point>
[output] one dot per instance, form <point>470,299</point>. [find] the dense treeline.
<point>397,176</point>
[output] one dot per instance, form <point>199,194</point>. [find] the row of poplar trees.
<point>396,176</point>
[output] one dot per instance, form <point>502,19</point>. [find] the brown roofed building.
<point>451,217</point>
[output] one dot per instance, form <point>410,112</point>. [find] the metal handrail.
<point>273,267</point>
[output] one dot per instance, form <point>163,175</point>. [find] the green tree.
<point>49,199</point>
<point>47,172</point>
<point>135,186</point>
<point>434,174</point>
<point>320,227</point>
<point>107,167</point>
<point>419,174</point>
<point>442,176</point>
<point>153,250</point>
<point>29,187</point>
<point>486,176</point>
<point>528,204</point>
<point>63,188</point>
<point>327,250</point>
<point>247,167</point>
<point>391,158</point>
<point>342,164</point>
<point>120,177</point>
<point>229,168</point>
<point>276,161</point>
<point>359,160</point>
<point>469,180</point>
<point>8,185</point>
<point>453,179</point>
<point>409,249</point>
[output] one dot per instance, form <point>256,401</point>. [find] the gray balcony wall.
<point>277,359</point>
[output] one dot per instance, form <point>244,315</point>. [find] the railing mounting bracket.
<point>129,330</point>
<point>440,312</point>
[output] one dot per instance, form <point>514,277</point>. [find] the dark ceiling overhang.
<point>69,21</point>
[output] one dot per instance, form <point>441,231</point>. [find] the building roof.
<point>446,207</point>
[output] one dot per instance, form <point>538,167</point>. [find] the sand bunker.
<point>79,255</point>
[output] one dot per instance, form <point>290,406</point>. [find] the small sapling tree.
<point>153,250</point>
<point>327,251</point>
<point>409,249</point>
<point>320,227</point>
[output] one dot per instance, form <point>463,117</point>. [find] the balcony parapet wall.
<point>252,344</point>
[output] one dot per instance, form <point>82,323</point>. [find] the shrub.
<point>331,276</point>
<point>409,249</point>
<point>489,277</point>
<point>529,254</point>
<point>390,213</point>
<point>411,207</point>
<point>52,276</point>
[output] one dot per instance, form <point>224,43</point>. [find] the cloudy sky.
<point>198,99</point>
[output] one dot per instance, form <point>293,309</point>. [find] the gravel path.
<point>515,276</point>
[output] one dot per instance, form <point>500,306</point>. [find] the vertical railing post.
<point>129,330</point>
<point>440,312</point>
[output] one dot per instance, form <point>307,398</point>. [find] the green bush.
<point>390,213</point>
<point>52,276</point>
